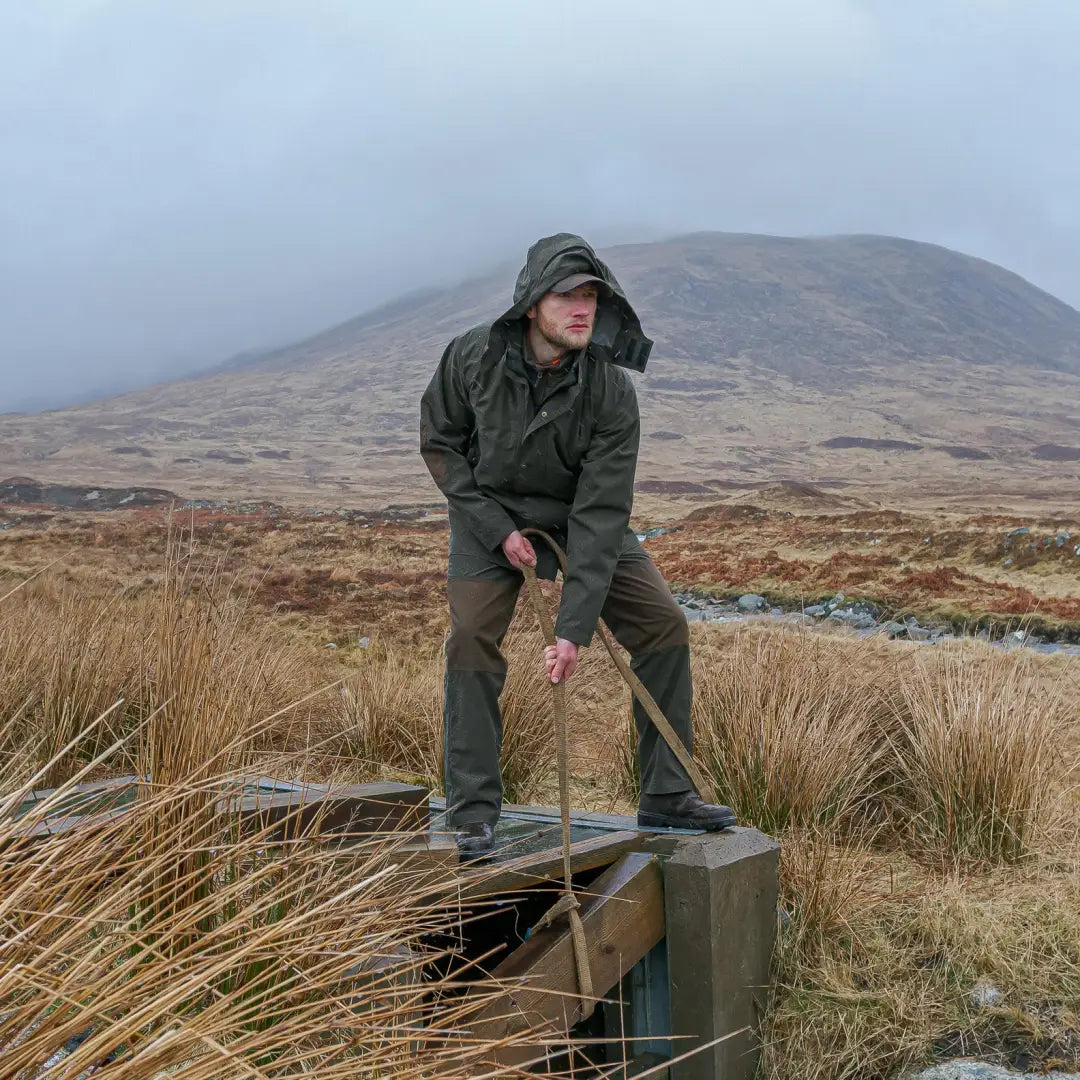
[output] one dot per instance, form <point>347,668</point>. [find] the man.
<point>533,421</point>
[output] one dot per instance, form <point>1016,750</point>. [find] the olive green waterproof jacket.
<point>567,466</point>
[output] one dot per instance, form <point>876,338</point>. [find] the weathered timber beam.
<point>359,808</point>
<point>721,893</point>
<point>528,871</point>
<point>623,915</point>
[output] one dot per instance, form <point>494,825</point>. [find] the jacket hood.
<point>617,333</point>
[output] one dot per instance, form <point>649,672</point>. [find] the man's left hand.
<point>561,660</point>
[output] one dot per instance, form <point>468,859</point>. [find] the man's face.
<point>566,319</point>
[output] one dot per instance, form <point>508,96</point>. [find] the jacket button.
<point>544,413</point>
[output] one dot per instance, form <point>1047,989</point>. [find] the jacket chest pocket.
<point>560,445</point>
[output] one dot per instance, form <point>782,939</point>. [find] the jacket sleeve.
<point>446,427</point>
<point>600,514</point>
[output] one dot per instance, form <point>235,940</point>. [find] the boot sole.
<point>649,820</point>
<point>465,855</point>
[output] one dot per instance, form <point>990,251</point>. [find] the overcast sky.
<point>180,181</point>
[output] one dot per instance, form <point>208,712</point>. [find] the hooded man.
<point>533,422</point>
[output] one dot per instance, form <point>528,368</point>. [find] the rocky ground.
<point>866,619</point>
<point>980,1070</point>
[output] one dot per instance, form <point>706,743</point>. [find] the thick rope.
<point>567,904</point>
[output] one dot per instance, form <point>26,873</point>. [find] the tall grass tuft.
<point>975,746</point>
<point>65,659</point>
<point>528,717</point>
<point>70,663</point>
<point>822,882</point>
<point>788,731</point>
<point>388,719</point>
<point>164,940</point>
<point>305,960</point>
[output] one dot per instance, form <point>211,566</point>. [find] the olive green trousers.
<point>645,620</point>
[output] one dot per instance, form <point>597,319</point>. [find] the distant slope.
<point>804,307</point>
<point>813,360</point>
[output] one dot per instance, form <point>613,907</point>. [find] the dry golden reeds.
<point>157,938</point>
<point>66,660</point>
<point>788,729</point>
<point>528,718</point>
<point>913,790</point>
<point>254,960</point>
<point>387,718</point>
<point>976,743</point>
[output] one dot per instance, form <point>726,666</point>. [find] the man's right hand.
<point>518,550</point>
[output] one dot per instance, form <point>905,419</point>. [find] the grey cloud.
<point>185,180</point>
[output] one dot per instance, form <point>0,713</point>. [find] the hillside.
<point>858,360</point>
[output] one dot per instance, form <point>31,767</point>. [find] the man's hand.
<point>561,660</point>
<point>518,550</point>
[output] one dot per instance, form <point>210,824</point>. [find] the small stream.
<point>861,617</point>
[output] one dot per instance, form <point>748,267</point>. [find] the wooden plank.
<point>360,808</point>
<point>527,871</point>
<point>429,859</point>
<point>587,818</point>
<point>623,917</point>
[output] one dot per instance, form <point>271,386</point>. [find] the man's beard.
<point>562,339</point>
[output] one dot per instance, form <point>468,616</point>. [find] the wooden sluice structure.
<point>680,925</point>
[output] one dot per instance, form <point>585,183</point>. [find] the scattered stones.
<point>980,1070</point>
<point>984,995</point>
<point>861,620</point>
<point>861,617</point>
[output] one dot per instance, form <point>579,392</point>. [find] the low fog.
<point>184,181</point>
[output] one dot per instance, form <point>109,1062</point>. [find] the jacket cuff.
<point>574,630</point>
<point>492,526</point>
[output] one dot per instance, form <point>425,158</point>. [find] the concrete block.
<point>721,892</point>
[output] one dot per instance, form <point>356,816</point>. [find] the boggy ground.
<point>926,797</point>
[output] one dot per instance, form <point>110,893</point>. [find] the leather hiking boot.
<point>475,840</point>
<point>683,810</point>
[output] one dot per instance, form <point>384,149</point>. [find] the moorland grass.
<point>925,799</point>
